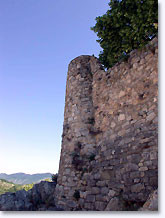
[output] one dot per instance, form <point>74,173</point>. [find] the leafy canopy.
<point>127,25</point>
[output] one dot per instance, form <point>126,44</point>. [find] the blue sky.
<point>38,39</point>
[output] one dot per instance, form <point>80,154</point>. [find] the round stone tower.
<point>78,139</point>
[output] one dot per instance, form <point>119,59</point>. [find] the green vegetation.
<point>127,25</point>
<point>54,177</point>
<point>28,187</point>
<point>6,186</point>
<point>48,180</point>
<point>76,195</point>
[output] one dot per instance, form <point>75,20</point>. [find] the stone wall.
<point>110,144</point>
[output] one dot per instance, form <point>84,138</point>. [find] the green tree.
<point>54,177</point>
<point>127,25</point>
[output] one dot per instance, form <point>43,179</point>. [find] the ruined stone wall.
<point>109,146</point>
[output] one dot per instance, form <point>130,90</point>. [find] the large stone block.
<point>114,205</point>
<point>137,187</point>
<point>107,174</point>
<point>100,206</point>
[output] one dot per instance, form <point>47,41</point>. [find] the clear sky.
<point>38,39</point>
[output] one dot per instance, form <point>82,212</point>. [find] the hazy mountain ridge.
<point>23,178</point>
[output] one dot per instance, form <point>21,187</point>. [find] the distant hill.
<point>6,186</point>
<point>23,178</point>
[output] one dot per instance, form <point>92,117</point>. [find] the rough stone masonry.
<point>110,135</point>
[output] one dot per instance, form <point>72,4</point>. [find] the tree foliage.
<point>127,25</point>
<point>54,177</point>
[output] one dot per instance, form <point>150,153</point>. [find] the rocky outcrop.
<point>39,198</point>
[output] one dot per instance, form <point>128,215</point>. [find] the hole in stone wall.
<point>146,146</point>
<point>152,49</point>
<point>77,161</point>
<point>78,145</point>
<point>91,121</point>
<point>96,107</point>
<point>76,195</point>
<point>92,157</point>
<point>141,96</point>
<point>133,205</point>
<point>94,131</point>
<point>99,78</point>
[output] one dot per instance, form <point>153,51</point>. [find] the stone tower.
<point>78,146</point>
<point>109,155</point>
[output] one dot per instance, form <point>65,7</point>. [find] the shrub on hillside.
<point>27,187</point>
